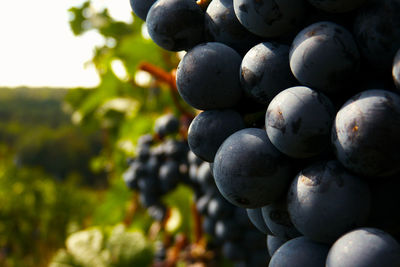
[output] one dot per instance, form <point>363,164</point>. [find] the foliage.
<point>33,123</point>
<point>36,213</point>
<point>40,143</point>
<point>74,151</point>
<point>121,105</point>
<point>102,247</point>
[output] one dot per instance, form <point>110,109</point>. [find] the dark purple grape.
<point>249,171</point>
<point>146,139</point>
<point>205,133</point>
<point>152,165</point>
<point>205,177</point>
<point>141,7</point>
<point>223,26</point>
<point>277,219</point>
<point>168,175</point>
<point>142,153</point>
<point>193,173</point>
<point>149,184</point>
<point>274,242</point>
<point>202,203</point>
<point>299,121</point>
<point>325,201</point>
<point>193,159</point>
<point>132,175</point>
<point>265,71</point>
<point>166,125</point>
<point>301,252</point>
<point>207,76</point>
<point>364,247</point>
<point>148,199</point>
<point>366,133</point>
<point>175,25</point>
<point>256,218</point>
<point>270,18</point>
<point>324,56</point>
<point>158,151</point>
<point>175,149</point>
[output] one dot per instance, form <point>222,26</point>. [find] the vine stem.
<point>133,206</point>
<point>198,233</point>
<point>168,78</point>
<point>181,242</point>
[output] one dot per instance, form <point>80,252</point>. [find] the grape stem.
<point>181,242</point>
<point>133,206</point>
<point>198,233</point>
<point>168,78</point>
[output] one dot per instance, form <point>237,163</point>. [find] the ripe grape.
<point>141,7</point>
<point>249,171</point>
<point>207,77</point>
<point>277,219</point>
<point>205,133</point>
<point>270,18</point>
<point>364,247</point>
<point>299,120</point>
<point>324,56</point>
<point>265,71</point>
<point>325,108</point>
<point>325,201</point>
<point>222,25</point>
<point>256,217</point>
<point>366,133</point>
<point>175,25</point>
<point>301,251</point>
<point>166,125</point>
<point>274,242</point>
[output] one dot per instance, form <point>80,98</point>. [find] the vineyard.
<point>232,133</point>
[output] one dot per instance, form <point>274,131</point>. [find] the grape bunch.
<point>320,175</point>
<point>159,166</point>
<point>161,163</point>
<point>228,225</point>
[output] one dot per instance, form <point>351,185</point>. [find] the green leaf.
<point>129,248</point>
<point>181,199</point>
<point>77,18</point>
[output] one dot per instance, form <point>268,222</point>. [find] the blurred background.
<point>74,99</point>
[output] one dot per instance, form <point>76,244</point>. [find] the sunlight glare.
<point>38,49</point>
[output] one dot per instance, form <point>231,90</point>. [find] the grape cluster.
<point>158,166</point>
<point>161,163</point>
<point>320,176</point>
<point>228,225</point>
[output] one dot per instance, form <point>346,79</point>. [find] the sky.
<point>38,49</point>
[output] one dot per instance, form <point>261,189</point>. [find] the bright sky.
<point>37,47</point>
